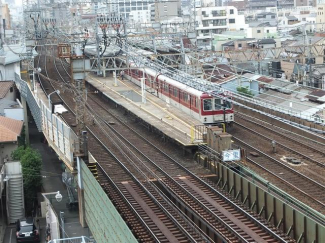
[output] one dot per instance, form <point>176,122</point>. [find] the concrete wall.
<point>8,71</point>
<point>52,220</point>
<point>287,67</point>
<point>14,113</point>
<point>5,151</point>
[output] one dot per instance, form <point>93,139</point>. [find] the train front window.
<point>207,104</point>
<point>217,104</point>
<point>227,104</point>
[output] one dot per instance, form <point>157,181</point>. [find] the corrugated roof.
<point>5,87</point>
<point>291,17</point>
<point>10,129</point>
<point>266,41</point>
<point>315,94</point>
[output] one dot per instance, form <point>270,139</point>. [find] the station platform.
<point>169,120</point>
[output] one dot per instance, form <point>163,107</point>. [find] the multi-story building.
<point>258,4</point>
<point>216,20</point>
<point>165,10</point>
<point>320,18</point>
<point>126,6</point>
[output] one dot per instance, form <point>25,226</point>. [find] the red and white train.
<point>202,106</point>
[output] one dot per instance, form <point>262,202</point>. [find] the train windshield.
<point>227,104</point>
<point>207,104</point>
<point>219,104</point>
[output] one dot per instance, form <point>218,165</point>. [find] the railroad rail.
<point>160,225</point>
<point>296,180</point>
<point>281,137</point>
<point>188,189</point>
<point>203,196</point>
<point>160,222</point>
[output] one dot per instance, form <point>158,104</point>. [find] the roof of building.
<point>266,41</point>
<point>269,23</point>
<point>8,57</point>
<point>5,87</point>
<point>312,15</point>
<point>10,129</point>
<point>315,95</point>
<point>320,70</point>
<point>291,17</point>
<point>244,67</point>
<point>264,14</point>
<point>229,43</point>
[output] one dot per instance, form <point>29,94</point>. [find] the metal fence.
<point>81,239</point>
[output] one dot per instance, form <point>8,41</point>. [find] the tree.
<point>31,162</point>
<point>18,153</point>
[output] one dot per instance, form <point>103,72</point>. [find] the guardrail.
<point>81,239</point>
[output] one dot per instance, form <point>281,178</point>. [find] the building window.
<point>239,45</point>
<point>267,31</point>
<point>231,11</point>
<point>232,21</point>
<point>258,31</point>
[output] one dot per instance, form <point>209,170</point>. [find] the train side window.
<point>217,104</point>
<point>196,104</point>
<point>175,92</point>
<point>207,104</point>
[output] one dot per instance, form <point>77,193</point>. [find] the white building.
<point>320,18</point>
<point>9,65</point>
<point>140,16</point>
<point>127,6</point>
<point>261,31</point>
<point>216,20</point>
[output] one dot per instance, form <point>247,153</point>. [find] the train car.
<point>202,106</point>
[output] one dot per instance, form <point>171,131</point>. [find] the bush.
<point>244,91</point>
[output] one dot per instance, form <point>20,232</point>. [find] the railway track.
<point>311,153</point>
<point>150,220</point>
<point>155,213</point>
<point>306,189</point>
<point>200,197</point>
<point>223,217</point>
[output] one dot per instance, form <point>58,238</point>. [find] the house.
<point>10,130</point>
<point>9,104</point>
<point>261,30</point>
<point>238,44</point>
<point>9,65</point>
<point>318,77</point>
<point>289,20</point>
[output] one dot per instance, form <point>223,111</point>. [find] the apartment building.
<point>216,20</point>
<point>258,4</point>
<point>125,7</point>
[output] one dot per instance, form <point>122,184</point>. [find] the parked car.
<point>27,231</point>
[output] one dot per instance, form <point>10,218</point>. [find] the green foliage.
<point>22,138</point>
<point>18,153</point>
<point>244,91</point>
<point>31,162</point>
